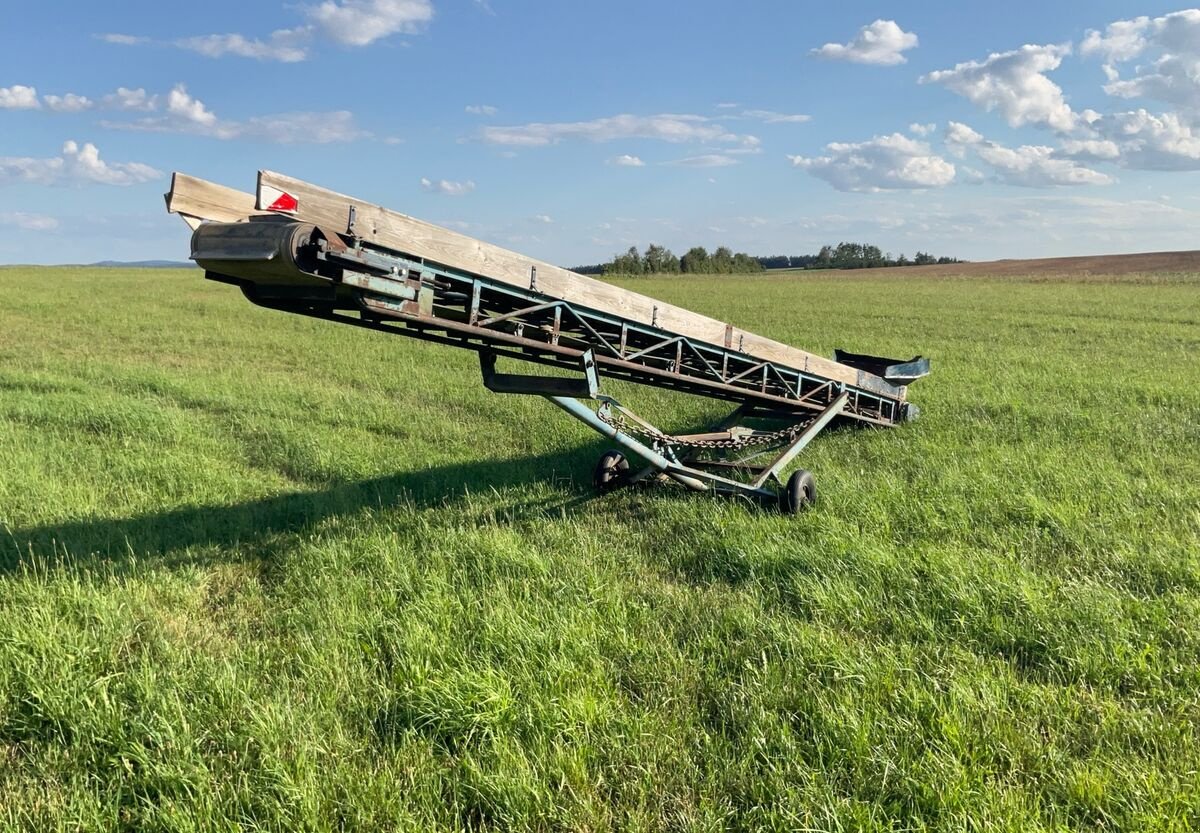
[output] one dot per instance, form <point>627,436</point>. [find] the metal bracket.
<point>586,388</point>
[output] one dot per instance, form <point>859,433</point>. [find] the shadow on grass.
<point>173,535</point>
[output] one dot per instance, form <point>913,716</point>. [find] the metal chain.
<point>624,426</point>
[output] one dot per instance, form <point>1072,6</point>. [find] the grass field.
<point>267,571</point>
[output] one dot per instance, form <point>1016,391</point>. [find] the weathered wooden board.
<point>394,230</point>
<point>192,197</point>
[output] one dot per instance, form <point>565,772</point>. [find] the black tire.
<point>611,472</point>
<point>799,493</point>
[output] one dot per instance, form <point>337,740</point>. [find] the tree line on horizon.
<point>657,260</point>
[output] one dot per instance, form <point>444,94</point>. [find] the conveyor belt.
<point>298,267</point>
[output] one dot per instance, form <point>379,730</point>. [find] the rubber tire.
<point>611,471</point>
<point>800,492</point>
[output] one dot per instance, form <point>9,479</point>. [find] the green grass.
<point>263,571</point>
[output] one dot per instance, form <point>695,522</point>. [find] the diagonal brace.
<point>802,439</point>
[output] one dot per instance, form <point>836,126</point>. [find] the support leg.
<point>802,439</point>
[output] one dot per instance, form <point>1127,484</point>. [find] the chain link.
<point>626,427</point>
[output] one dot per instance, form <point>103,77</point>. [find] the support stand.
<point>692,460</point>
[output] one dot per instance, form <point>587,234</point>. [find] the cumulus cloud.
<point>127,99</point>
<point>1096,150</point>
<point>1030,166</point>
<point>481,110</point>
<point>183,113</point>
<point>667,127</point>
<point>69,103</point>
<point>1146,141</point>
<point>183,108</point>
<point>626,161</point>
<point>19,97</point>
<point>76,165</point>
<point>1013,84</point>
<point>362,22</point>
<point>884,163</point>
<point>28,222</point>
<point>882,43</point>
<point>1123,39</point>
<point>26,98</point>
<point>285,45</point>
<point>918,129</point>
<point>447,187</point>
<point>353,23</point>
<point>959,136</point>
<point>1036,166</point>
<point>543,218</point>
<point>1172,44</point>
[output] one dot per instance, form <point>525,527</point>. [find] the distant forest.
<point>657,260</point>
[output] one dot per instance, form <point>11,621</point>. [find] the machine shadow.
<point>191,534</point>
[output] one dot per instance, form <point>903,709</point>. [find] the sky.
<point>571,131</point>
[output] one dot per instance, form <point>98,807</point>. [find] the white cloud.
<point>362,22</point>
<point>707,160</point>
<point>1030,166</point>
<point>918,129</point>
<point>1151,142</point>
<point>667,127</point>
<point>882,43</point>
<point>1014,84</point>
<point>122,40</point>
<point>69,103</point>
<point>959,135</point>
<point>626,161</point>
<point>772,117</point>
<point>345,22</point>
<point>76,165</point>
<point>447,187</point>
<point>1035,166</point>
<point>26,98</point>
<point>19,97</point>
<point>185,114</point>
<point>884,163</point>
<point>286,45</point>
<point>28,222</point>
<point>184,108</point>
<point>727,105</point>
<point>127,99</point>
<point>299,128</point>
<point>1124,39</point>
<point>1172,42</point>
<point>1099,150</point>
<point>543,218</point>
<point>481,110</point>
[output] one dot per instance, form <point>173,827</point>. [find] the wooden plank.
<point>198,198</point>
<point>418,238</point>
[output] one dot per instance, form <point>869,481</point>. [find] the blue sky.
<point>570,131</point>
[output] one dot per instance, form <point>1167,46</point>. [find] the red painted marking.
<point>286,202</point>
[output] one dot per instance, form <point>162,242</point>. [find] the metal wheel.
<point>611,472</point>
<point>799,493</point>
